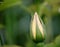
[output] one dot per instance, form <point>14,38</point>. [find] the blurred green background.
<point>15,18</point>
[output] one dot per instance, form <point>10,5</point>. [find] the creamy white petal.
<point>34,27</point>
<point>39,22</point>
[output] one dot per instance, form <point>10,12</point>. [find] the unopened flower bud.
<point>37,29</point>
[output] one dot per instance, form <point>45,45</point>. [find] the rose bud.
<point>37,30</point>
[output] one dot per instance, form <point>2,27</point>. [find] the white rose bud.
<point>37,29</point>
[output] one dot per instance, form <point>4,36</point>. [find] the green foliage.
<point>40,45</point>
<point>15,10</point>
<point>37,1</point>
<point>57,41</point>
<point>50,45</point>
<point>11,46</point>
<point>9,3</point>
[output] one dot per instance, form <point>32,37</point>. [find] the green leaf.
<point>9,3</point>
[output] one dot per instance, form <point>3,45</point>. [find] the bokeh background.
<point>15,18</point>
